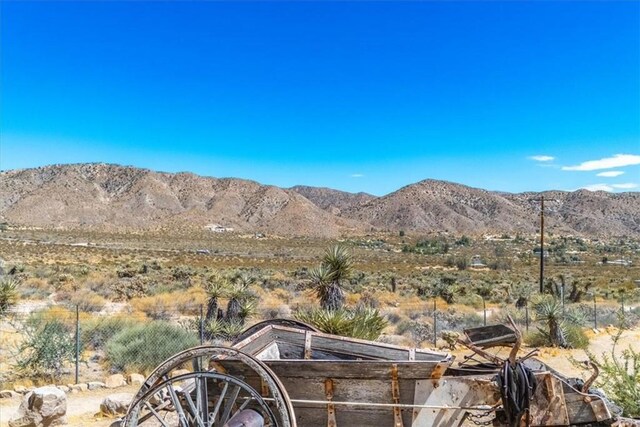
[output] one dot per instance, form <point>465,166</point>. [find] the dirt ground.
<point>82,407</point>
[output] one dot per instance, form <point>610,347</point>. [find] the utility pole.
<point>541,244</point>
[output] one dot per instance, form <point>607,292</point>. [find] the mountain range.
<point>107,197</point>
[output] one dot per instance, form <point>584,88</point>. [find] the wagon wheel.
<point>206,395</point>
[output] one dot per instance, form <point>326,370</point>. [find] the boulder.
<point>42,407</point>
<point>20,389</point>
<point>116,404</point>
<point>115,381</point>
<point>135,379</point>
<point>64,388</point>
<point>8,394</point>
<point>95,385</point>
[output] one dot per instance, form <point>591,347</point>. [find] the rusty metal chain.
<point>481,418</point>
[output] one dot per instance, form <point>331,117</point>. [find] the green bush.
<point>96,332</point>
<point>363,322</point>
<point>47,348</point>
<point>142,347</point>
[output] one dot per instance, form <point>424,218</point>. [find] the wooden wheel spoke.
<point>233,396</point>
<point>213,415</point>
<point>196,413</point>
<point>177,405</point>
<point>155,414</point>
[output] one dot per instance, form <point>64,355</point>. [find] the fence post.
<point>526,316</point>
<point>77,344</point>
<point>201,324</point>
<point>484,310</point>
<point>435,325</point>
<point>595,313</point>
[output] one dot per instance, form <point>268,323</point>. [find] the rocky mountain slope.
<point>331,200</point>
<point>111,197</point>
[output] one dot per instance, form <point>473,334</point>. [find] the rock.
<point>135,379</point>
<point>20,389</point>
<point>64,388</point>
<point>115,381</point>
<point>95,385</point>
<point>8,394</point>
<point>116,404</point>
<point>42,407</point>
<point>78,387</point>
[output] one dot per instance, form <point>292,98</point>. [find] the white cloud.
<point>610,187</point>
<point>610,174</point>
<point>598,187</point>
<point>617,161</point>
<point>625,186</point>
<point>356,175</point>
<point>542,158</point>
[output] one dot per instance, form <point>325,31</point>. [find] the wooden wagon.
<point>287,374</point>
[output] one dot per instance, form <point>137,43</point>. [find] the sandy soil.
<point>600,342</point>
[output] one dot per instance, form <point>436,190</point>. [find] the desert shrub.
<point>142,347</point>
<point>97,331</point>
<point>619,378</point>
<point>47,348</point>
<point>126,289</point>
<point>574,336</point>
<point>35,288</point>
<point>8,295</point>
<point>362,322</point>
<point>165,306</point>
<point>418,331</point>
<point>87,302</point>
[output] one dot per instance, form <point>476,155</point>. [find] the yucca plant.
<point>222,329</point>
<point>363,322</point>
<point>216,288</point>
<point>558,321</point>
<point>327,278</point>
<point>8,295</point>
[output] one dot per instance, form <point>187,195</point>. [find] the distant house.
<point>203,252</point>
<point>536,252</point>
<point>217,228</point>
<point>476,262</point>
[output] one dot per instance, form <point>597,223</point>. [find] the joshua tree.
<point>215,288</point>
<point>327,279</point>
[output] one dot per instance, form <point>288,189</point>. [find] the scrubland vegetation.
<point>141,298</point>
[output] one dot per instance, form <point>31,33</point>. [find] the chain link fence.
<point>61,345</point>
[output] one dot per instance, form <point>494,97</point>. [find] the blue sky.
<point>359,96</point>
